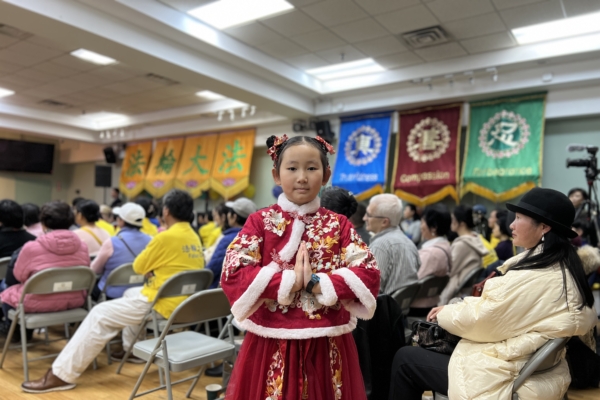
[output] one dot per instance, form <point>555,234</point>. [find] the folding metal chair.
<point>4,261</point>
<point>468,282</point>
<point>543,360</point>
<point>185,350</point>
<point>431,286</point>
<point>181,284</point>
<point>123,275</point>
<point>49,281</point>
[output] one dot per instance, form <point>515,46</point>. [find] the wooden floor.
<point>104,384</point>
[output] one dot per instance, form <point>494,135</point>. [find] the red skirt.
<point>324,368</point>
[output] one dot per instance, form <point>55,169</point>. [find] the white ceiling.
<point>262,63</point>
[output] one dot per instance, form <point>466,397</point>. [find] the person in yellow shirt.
<point>147,226</point>
<point>210,231</point>
<point>176,250</point>
<point>105,221</point>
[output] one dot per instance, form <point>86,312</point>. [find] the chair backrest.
<point>123,275</point>
<point>4,261</point>
<point>432,286</point>
<point>544,359</point>
<point>470,279</point>
<point>60,280</point>
<point>202,306</point>
<point>405,295</point>
<point>185,283</point>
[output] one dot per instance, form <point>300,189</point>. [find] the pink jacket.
<point>60,248</point>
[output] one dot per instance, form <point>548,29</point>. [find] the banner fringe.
<point>448,190</point>
<point>496,197</point>
<point>377,189</point>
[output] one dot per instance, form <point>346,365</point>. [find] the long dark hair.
<point>558,249</point>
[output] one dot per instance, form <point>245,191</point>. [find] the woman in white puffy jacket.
<point>542,295</point>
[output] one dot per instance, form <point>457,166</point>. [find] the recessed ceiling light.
<point>344,70</point>
<point>561,28</point>
<point>106,120</point>
<point>226,13</point>
<point>6,92</point>
<point>208,95</point>
<point>92,57</point>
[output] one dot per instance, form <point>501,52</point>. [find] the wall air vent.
<point>55,104</point>
<point>161,79</point>
<point>426,37</point>
<point>14,32</point>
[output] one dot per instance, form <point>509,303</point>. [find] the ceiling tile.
<point>20,81</point>
<point>408,19</point>
<point>56,69</point>
<point>7,67</point>
<point>375,7</point>
<point>302,3</point>
<point>35,52</point>
<point>449,10</point>
<point>579,7</point>
<point>92,80</point>
<point>475,26</point>
<point>125,87</point>
<point>381,46</point>
<point>282,49</point>
<point>334,56</point>
<point>41,41</point>
<point>111,73</point>
<point>319,40</point>
<point>70,61</point>
<point>6,41</point>
<point>504,4</point>
<point>335,12</point>
<point>254,34</point>
<point>496,41</point>
<point>292,23</point>
<point>307,61</point>
<point>532,14</point>
<point>23,59</point>
<point>37,75</point>
<point>361,30</point>
<point>441,52</point>
<point>398,60</point>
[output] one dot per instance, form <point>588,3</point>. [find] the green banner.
<point>503,154</point>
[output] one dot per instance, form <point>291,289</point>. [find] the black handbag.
<point>431,336</point>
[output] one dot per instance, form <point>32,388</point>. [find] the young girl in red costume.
<point>298,276</point>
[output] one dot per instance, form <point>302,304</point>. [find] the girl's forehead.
<point>301,152</point>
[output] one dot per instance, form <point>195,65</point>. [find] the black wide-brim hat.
<point>549,206</point>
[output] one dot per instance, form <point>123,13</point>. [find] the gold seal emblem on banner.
<point>504,135</point>
<point>428,140</point>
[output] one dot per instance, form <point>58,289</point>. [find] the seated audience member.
<point>31,219</point>
<point>491,222</point>
<point>467,251</point>
<point>120,249</point>
<point>338,200</point>
<point>115,193</point>
<point>173,251</point>
<point>435,252</point>
<point>581,228</point>
<point>411,226</point>
<point>542,295</point>
<point>358,221</point>
<point>201,220</point>
<point>220,218</point>
<point>59,247</point>
<point>396,254</point>
<point>210,231</point>
<point>147,226</point>
<point>154,211</point>
<point>579,197</point>
<point>12,234</point>
<point>106,220</point>
<point>87,213</point>
<point>239,211</point>
<point>504,248</point>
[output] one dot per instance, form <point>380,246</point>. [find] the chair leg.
<point>67,333</point>
<point>195,382</point>
<point>11,332</point>
<point>167,370</point>
<point>24,350</point>
<point>46,338</point>
<point>109,361</point>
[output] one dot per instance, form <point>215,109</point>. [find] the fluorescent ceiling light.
<point>6,92</point>
<point>226,13</point>
<point>344,70</point>
<point>107,120</point>
<point>561,28</point>
<point>208,95</point>
<point>92,57</point>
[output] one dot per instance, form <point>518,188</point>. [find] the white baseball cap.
<point>242,207</point>
<point>131,213</point>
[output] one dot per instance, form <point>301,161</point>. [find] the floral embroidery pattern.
<point>305,302</point>
<point>275,377</point>
<point>242,251</point>
<point>282,263</point>
<point>335,362</point>
<point>275,222</point>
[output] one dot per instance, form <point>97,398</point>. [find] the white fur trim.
<point>305,333</point>
<point>291,247</point>
<point>284,295</point>
<point>327,297</point>
<point>249,300</point>
<point>366,308</point>
<point>304,209</point>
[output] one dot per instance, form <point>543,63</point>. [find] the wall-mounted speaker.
<point>109,155</point>
<point>103,176</point>
<point>323,129</point>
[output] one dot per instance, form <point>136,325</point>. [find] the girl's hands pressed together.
<point>299,269</point>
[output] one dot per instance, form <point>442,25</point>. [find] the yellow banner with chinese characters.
<point>196,163</point>
<point>163,167</point>
<point>231,168</point>
<point>134,168</point>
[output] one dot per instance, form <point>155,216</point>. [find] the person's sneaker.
<point>215,371</point>
<point>118,356</point>
<point>47,383</point>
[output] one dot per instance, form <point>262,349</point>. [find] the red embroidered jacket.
<point>258,273</point>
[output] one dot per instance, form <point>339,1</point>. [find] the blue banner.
<point>361,161</point>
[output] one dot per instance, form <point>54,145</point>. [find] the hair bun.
<point>271,141</point>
